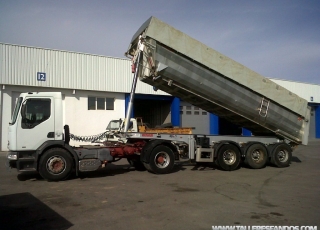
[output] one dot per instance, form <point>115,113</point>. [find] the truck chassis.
<point>158,153</point>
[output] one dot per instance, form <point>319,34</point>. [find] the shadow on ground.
<point>24,211</point>
<point>109,170</point>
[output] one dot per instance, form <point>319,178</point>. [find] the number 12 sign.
<point>41,76</point>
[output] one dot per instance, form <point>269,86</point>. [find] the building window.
<point>91,103</point>
<point>204,113</point>
<point>196,112</point>
<point>100,103</point>
<point>110,103</point>
<point>188,112</point>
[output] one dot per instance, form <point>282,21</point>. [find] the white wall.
<point>303,90</point>
<point>82,122</point>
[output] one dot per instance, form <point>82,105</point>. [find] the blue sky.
<point>276,38</point>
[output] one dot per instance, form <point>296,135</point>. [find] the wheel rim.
<point>56,165</point>
<point>257,155</point>
<point>162,159</point>
<point>229,157</point>
<point>283,155</point>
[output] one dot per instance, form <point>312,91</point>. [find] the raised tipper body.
<point>184,67</point>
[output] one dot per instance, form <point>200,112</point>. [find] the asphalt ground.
<point>118,197</point>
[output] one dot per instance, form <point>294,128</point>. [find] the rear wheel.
<point>161,160</point>
<point>228,157</point>
<point>256,156</point>
<point>55,164</point>
<point>281,155</point>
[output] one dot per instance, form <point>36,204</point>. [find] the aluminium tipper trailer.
<point>183,67</point>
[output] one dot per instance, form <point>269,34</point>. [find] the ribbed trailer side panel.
<point>184,67</point>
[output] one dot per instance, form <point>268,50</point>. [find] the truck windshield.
<point>114,124</point>
<point>16,111</point>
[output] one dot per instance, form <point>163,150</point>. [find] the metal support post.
<point>133,90</point>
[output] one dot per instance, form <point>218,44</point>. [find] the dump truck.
<point>171,61</point>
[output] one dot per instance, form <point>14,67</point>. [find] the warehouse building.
<point>96,89</point>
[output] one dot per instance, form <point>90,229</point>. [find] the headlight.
<point>12,156</point>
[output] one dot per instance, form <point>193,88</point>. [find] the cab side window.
<point>35,111</point>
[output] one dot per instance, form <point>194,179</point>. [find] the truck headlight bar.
<point>12,156</point>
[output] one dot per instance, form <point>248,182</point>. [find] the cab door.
<point>36,123</point>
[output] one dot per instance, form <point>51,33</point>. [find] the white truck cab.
<point>35,113</point>
<point>38,141</point>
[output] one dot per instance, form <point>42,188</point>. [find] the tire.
<point>256,156</point>
<point>281,155</point>
<point>58,158</point>
<point>228,157</point>
<point>147,166</point>
<point>161,160</point>
<point>137,164</point>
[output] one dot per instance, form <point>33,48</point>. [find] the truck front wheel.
<point>161,160</point>
<point>55,164</point>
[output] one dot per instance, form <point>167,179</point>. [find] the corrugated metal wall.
<point>19,66</point>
